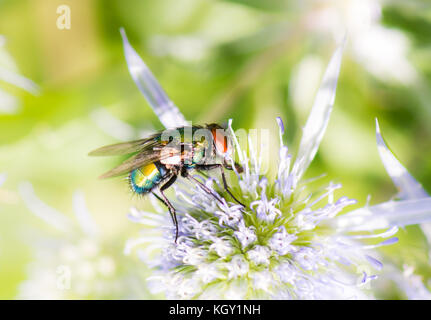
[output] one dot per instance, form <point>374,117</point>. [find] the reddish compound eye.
<point>220,140</point>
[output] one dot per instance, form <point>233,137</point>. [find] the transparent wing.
<point>130,164</point>
<point>159,153</point>
<point>124,147</point>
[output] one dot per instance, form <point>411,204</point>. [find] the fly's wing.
<point>136,161</point>
<point>157,152</point>
<point>124,147</point>
<point>168,146</point>
<point>153,141</point>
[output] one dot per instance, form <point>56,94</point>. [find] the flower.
<point>78,263</point>
<point>9,104</point>
<point>362,18</point>
<point>411,284</point>
<point>289,241</point>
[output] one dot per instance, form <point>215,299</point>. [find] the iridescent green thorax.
<point>196,145</point>
<point>186,135</point>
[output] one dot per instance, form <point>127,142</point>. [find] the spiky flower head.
<point>75,262</point>
<point>288,241</point>
<point>9,73</point>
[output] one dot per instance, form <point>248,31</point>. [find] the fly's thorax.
<point>177,146</point>
<point>196,145</point>
<point>200,157</point>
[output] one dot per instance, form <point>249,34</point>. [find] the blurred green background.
<point>249,60</point>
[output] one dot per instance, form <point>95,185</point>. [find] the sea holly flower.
<point>363,20</point>
<point>75,261</point>
<point>409,283</point>
<point>406,280</point>
<point>9,73</point>
<point>289,241</point>
<point>3,178</point>
<point>414,207</point>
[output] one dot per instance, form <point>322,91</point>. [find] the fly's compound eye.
<point>220,140</point>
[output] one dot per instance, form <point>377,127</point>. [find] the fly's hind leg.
<point>167,203</point>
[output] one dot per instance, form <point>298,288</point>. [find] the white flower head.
<point>281,241</point>
<point>222,247</point>
<point>78,264</point>
<point>237,267</point>
<point>259,255</point>
<point>362,19</point>
<point>245,235</point>
<point>287,241</point>
<point>9,73</point>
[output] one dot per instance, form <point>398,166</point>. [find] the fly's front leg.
<point>167,203</point>
<point>225,185</point>
<point>185,174</point>
<point>238,167</point>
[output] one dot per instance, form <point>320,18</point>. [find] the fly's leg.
<point>159,198</point>
<point>225,185</point>
<point>167,203</point>
<point>185,174</point>
<point>238,167</point>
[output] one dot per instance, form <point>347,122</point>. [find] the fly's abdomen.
<point>146,178</point>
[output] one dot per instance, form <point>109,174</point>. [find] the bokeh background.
<point>249,60</point>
